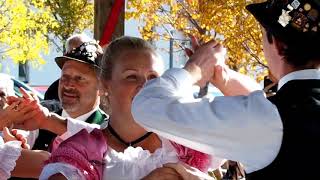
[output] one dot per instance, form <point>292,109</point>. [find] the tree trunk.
<point>102,9</point>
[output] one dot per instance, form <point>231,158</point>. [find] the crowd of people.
<point>121,116</point>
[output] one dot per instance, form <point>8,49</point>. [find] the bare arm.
<point>55,124</point>
<point>232,83</point>
<point>41,118</point>
<point>30,163</point>
<point>207,65</point>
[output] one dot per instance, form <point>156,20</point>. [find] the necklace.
<point>116,135</point>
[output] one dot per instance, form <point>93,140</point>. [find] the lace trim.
<point>9,153</point>
<point>69,171</point>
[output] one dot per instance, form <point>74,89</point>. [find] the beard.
<point>70,99</point>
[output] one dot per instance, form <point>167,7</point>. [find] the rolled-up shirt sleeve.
<point>241,128</point>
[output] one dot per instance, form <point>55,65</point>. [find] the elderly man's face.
<point>78,88</point>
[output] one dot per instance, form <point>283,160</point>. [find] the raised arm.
<point>208,65</point>
<point>221,126</point>
<point>232,83</point>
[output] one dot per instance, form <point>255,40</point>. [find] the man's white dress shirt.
<point>241,128</point>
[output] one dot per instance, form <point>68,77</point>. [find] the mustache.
<point>71,91</point>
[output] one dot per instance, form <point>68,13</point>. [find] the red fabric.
<point>112,21</point>
<point>192,157</point>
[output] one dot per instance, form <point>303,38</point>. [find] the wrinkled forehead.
<point>74,67</point>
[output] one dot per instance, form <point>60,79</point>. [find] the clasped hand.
<point>23,112</point>
<point>207,63</point>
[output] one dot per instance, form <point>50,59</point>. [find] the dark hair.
<point>117,47</point>
<point>297,51</point>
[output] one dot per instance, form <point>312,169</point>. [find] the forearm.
<point>237,84</point>
<point>30,163</point>
<point>55,124</point>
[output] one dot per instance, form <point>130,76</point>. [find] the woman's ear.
<point>103,88</point>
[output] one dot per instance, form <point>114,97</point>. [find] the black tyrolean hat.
<point>87,52</point>
<point>289,20</point>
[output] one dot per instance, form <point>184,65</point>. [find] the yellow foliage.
<point>206,20</point>
<point>72,16</point>
<point>22,30</point>
<point>26,25</point>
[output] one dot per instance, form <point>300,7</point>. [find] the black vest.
<point>298,103</point>
<point>45,137</point>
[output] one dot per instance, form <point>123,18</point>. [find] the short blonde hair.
<point>6,84</point>
<point>76,40</point>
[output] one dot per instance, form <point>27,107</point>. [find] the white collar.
<point>83,117</point>
<point>302,74</point>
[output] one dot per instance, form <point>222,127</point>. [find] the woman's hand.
<point>33,116</point>
<point>14,113</point>
<point>187,172</point>
<point>163,173</point>
<point>13,135</point>
<point>203,60</point>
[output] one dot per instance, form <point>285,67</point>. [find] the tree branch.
<point>253,55</point>
<point>193,21</point>
<point>7,50</point>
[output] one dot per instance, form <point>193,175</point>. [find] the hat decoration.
<point>87,52</point>
<point>303,16</point>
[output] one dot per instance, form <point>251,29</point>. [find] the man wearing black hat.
<point>78,87</point>
<point>274,138</point>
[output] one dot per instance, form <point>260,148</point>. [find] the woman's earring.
<point>105,98</point>
<point>105,103</point>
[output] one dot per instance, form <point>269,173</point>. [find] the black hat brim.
<point>268,18</point>
<point>62,59</point>
<point>262,14</point>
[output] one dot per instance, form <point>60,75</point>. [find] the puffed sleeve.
<point>79,156</point>
<point>68,171</point>
<point>227,127</point>
<point>9,153</point>
<point>74,126</point>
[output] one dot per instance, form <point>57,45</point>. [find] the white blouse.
<point>133,163</point>
<point>9,153</point>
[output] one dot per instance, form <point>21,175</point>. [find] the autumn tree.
<point>28,27</point>
<point>226,20</point>
<point>23,29</point>
<point>72,16</point>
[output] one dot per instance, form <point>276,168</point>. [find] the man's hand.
<point>202,62</point>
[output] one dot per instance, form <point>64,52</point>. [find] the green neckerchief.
<point>97,117</point>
